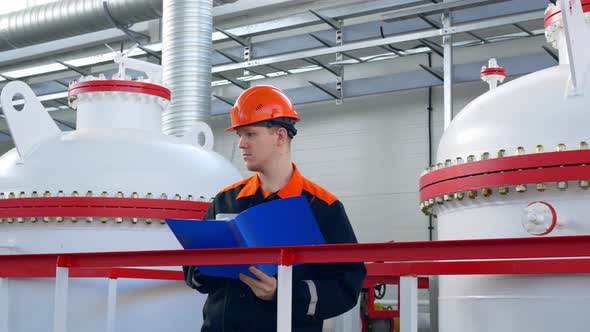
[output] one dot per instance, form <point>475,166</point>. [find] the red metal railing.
<point>486,256</point>
<point>535,255</point>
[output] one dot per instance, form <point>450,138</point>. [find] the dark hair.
<point>287,123</point>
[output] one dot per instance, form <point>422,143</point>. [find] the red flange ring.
<point>507,171</point>
<point>119,85</point>
<point>102,207</point>
<point>492,71</point>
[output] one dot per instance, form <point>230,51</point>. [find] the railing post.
<point>60,309</point>
<point>4,305</point>
<point>9,248</point>
<point>112,304</point>
<point>285,291</point>
<point>408,303</point>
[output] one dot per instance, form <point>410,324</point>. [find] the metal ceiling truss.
<point>229,101</point>
<point>551,53</point>
<point>461,28</point>
<point>333,17</point>
<point>337,71</point>
<point>433,72</point>
<point>420,78</point>
<point>246,42</point>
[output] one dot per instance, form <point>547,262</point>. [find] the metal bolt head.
<point>583,145</point>
<point>503,190</point>
<point>539,148</point>
<point>541,187</point>
<point>562,185</point>
<point>486,192</point>
<point>501,153</point>
<point>560,147</point>
<point>584,184</point>
<point>459,196</point>
<point>521,188</point>
<point>472,194</point>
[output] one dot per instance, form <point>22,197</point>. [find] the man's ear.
<point>283,135</point>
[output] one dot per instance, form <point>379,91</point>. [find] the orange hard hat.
<point>261,103</point>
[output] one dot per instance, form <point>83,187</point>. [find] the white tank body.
<point>532,114</point>
<point>117,150</point>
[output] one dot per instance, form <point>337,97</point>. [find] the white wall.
<point>369,152</point>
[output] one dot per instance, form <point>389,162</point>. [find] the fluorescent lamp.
<point>53,96</point>
<point>86,61</point>
<point>35,70</point>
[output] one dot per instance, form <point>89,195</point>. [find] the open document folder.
<point>282,222</point>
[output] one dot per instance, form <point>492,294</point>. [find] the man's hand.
<point>264,287</point>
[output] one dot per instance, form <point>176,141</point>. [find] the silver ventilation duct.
<point>187,26</point>
<point>68,18</point>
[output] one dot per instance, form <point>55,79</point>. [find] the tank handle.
<point>30,124</point>
<point>153,71</point>
<point>200,135</point>
<point>576,36</point>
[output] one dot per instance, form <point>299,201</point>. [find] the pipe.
<point>187,26</point>
<point>429,109</point>
<point>67,18</point>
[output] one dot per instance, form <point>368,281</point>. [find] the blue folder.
<point>283,222</point>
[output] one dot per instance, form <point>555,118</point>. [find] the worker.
<point>264,119</point>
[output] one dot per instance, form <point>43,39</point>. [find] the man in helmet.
<point>264,119</point>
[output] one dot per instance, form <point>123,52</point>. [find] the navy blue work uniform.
<point>320,291</point>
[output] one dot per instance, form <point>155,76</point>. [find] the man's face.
<point>258,145</point>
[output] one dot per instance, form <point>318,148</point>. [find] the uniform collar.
<point>293,188</point>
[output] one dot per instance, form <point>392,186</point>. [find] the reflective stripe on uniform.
<point>313,292</point>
